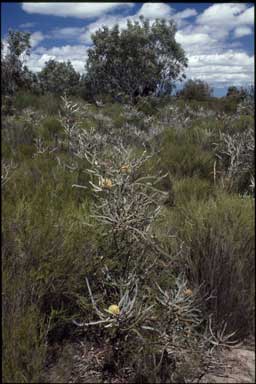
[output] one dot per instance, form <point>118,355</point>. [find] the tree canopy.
<point>139,60</point>
<point>58,77</point>
<point>196,90</point>
<point>14,73</point>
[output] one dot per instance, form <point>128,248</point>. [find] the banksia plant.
<point>67,117</point>
<point>182,311</point>
<point>122,322</point>
<point>126,205</point>
<point>236,153</point>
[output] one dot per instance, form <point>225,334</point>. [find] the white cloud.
<point>67,33</point>
<point>36,38</point>
<point>78,10</point>
<point>212,28</point>
<point>242,31</point>
<point>4,50</point>
<point>236,68</point>
<point>148,10</point>
<point>229,58</point>
<point>220,19</point>
<point>218,14</point>
<point>186,13</point>
<point>27,25</point>
<point>77,54</point>
<point>155,10</point>
<point>108,21</point>
<point>247,17</point>
<point>187,40</point>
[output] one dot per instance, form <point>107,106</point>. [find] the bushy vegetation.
<point>135,61</point>
<point>126,227</point>
<point>196,90</point>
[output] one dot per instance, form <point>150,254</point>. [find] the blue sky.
<point>218,38</point>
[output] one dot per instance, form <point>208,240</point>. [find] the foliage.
<point>236,152</point>
<point>219,238</point>
<point>58,77</point>
<point>90,222</point>
<point>196,90</point>
<point>14,74</point>
<point>135,61</point>
<point>235,92</point>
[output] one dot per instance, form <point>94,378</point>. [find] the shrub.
<point>24,339</point>
<point>17,131</point>
<point>50,128</point>
<point>25,99</point>
<point>47,103</point>
<point>191,189</point>
<point>42,231</point>
<point>196,90</point>
<point>183,158</point>
<point>220,249</point>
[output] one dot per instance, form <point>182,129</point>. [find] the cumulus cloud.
<point>67,33</point>
<point>247,17</point>
<point>150,11</point>
<point>108,21</point>
<point>212,28</point>
<point>242,31</point>
<point>77,10</point>
<point>155,10</point>
<point>218,14</point>
<point>236,68</point>
<point>186,13</point>
<point>36,38</point>
<point>77,54</point>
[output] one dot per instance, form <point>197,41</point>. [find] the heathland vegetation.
<point>127,214</point>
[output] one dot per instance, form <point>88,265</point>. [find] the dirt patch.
<point>85,362</point>
<point>239,367</point>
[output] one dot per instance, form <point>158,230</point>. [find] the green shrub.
<point>24,342</point>
<point>191,189</point>
<point>219,251</point>
<point>50,128</point>
<point>147,105</point>
<point>42,231</point>
<point>47,103</point>
<point>182,158</point>
<point>25,99</point>
<point>15,131</point>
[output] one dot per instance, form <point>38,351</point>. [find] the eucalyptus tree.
<point>14,74</point>
<point>140,59</point>
<point>59,77</point>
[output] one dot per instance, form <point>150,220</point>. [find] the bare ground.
<point>84,362</point>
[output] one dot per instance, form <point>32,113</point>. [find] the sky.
<point>218,38</point>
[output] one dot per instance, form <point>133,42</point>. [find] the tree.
<point>59,77</point>
<point>196,90</point>
<point>237,93</point>
<point>12,64</point>
<point>135,61</point>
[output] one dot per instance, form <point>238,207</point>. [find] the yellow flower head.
<point>113,309</point>
<point>188,292</point>
<point>105,183</point>
<point>125,168</point>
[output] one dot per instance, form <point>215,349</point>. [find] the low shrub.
<point>50,128</point>
<point>182,158</point>
<point>219,251</point>
<point>191,189</point>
